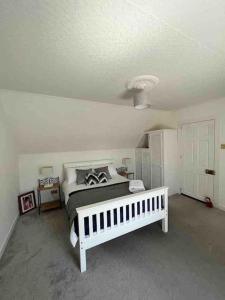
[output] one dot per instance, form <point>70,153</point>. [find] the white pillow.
<point>112,170</point>
<point>71,175</point>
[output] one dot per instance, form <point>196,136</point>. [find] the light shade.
<point>125,161</point>
<point>141,100</point>
<point>46,171</point>
<point>141,85</point>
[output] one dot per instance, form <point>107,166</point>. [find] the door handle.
<point>210,172</point>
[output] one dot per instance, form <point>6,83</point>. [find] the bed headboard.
<point>89,163</point>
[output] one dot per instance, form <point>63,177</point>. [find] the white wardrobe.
<point>143,166</point>
<point>157,165</point>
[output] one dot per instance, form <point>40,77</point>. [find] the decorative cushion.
<point>105,170</point>
<point>91,179</point>
<point>81,174</point>
<point>102,177</point>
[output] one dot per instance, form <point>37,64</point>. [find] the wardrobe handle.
<point>210,172</point>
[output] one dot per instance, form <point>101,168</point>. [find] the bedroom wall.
<point>29,164</point>
<point>211,110</point>
<point>8,181</point>
<point>53,130</point>
<point>44,124</point>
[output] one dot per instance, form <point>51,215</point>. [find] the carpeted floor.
<point>187,263</point>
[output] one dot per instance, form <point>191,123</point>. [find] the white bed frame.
<point>155,198</point>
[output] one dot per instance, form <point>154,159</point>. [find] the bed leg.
<point>165,224</point>
<point>83,265</point>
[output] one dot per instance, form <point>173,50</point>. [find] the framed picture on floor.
<point>27,202</point>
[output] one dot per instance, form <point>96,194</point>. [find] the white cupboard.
<point>143,164</point>
<point>158,165</point>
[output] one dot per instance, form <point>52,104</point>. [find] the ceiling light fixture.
<point>141,85</point>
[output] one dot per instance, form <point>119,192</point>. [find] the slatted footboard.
<point>107,220</point>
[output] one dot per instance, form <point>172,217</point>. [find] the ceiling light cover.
<point>141,85</point>
<point>143,82</point>
<point>141,100</point>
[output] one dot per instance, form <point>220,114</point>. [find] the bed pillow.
<point>81,174</point>
<point>70,175</point>
<point>91,179</point>
<point>105,170</point>
<point>102,177</point>
<point>112,170</point>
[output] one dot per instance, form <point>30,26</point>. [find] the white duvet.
<point>73,187</point>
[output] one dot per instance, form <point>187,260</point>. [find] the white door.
<point>198,147</point>
<point>156,147</point>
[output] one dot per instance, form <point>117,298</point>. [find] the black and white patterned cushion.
<point>91,179</point>
<point>105,170</point>
<point>81,175</point>
<point>102,177</point>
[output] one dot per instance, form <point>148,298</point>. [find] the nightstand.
<point>55,189</point>
<point>127,174</point>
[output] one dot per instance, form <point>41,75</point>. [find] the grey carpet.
<point>187,263</point>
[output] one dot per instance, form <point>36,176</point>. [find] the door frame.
<point>180,152</point>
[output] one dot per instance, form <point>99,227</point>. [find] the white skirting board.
<point>219,206</point>
<point>5,243</point>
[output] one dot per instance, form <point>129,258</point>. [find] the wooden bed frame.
<point>144,208</point>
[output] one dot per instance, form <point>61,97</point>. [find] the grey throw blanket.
<point>94,195</point>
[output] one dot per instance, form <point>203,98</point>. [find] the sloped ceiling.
<point>89,49</point>
<point>50,124</point>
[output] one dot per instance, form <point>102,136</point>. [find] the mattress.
<point>96,195</point>
<point>99,194</point>
<point>72,188</point>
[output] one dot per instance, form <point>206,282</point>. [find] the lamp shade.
<point>125,161</point>
<point>46,171</point>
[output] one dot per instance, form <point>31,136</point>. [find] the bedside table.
<point>50,204</point>
<point>127,174</point>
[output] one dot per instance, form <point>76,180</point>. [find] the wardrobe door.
<point>146,168</point>
<point>156,146</point>
<point>156,178</point>
<point>138,161</point>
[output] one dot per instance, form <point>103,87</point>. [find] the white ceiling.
<point>89,49</point>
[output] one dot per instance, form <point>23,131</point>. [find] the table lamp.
<point>47,171</point>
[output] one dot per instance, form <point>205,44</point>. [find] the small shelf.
<point>43,188</point>
<point>50,205</point>
<point>126,174</point>
<point>54,189</point>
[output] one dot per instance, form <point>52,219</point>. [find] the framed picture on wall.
<point>27,202</point>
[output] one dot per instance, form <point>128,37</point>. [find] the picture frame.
<point>27,202</point>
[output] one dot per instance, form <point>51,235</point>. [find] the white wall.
<point>211,110</point>
<point>29,164</point>
<point>51,124</point>
<point>52,130</point>
<point>8,181</point>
